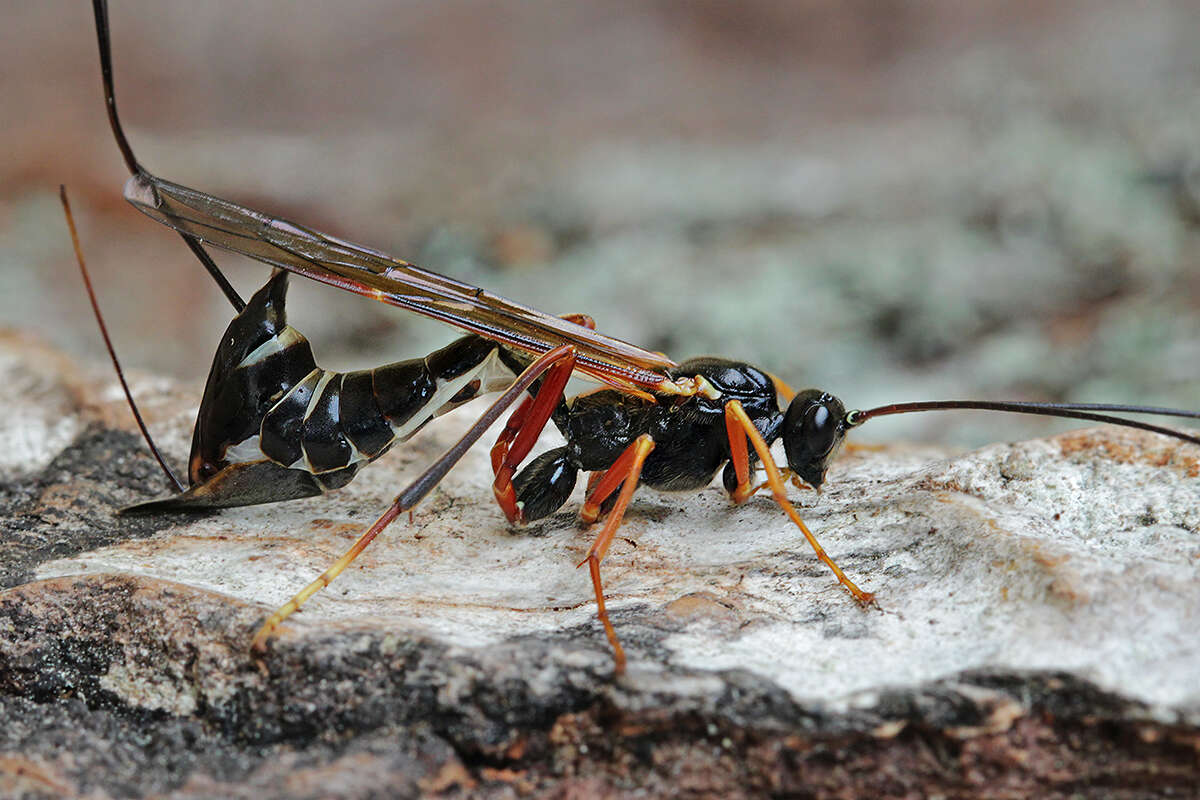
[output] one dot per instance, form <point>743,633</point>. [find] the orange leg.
<point>740,428</point>
<point>624,472</point>
<point>741,464</point>
<point>601,485</point>
<point>782,390</point>
<point>522,430</point>
<point>511,429</point>
<point>739,456</point>
<point>500,449</point>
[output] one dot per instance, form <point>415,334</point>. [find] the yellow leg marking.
<point>779,491</point>
<point>589,513</point>
<point>259,643</point>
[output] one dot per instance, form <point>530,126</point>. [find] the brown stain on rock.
<point>701,607</point>
<point>1132,447</point>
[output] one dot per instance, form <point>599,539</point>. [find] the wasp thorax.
<point>813,430</point>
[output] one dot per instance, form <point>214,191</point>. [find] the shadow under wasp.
<point>275,426</point>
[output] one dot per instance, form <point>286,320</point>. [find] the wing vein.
<point>372,273</point>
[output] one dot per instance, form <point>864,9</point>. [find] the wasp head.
<point>813,430</point>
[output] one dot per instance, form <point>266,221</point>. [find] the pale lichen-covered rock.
<point>1038,603</point>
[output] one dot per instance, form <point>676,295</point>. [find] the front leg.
<point>739,428</point>
<point>736,475</point>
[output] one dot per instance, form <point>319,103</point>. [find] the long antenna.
<point>1085,411</point>
<point>103,39</point>
<point>87,282</point>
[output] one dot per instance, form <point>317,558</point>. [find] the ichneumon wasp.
<point>275,426</point>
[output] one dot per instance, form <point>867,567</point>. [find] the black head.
<point>813,430</point>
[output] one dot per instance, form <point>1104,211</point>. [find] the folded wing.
<point>372,273</point>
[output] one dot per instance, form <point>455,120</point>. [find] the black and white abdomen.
<point>274,426</point>
<point>329,421</point>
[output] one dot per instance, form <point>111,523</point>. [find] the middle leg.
<point>625,472</point>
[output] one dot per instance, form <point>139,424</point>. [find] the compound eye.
<point>819,429</point>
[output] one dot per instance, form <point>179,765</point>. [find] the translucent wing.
<point>372,273</point>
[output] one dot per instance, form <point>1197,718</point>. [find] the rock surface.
<point>1036,630</point>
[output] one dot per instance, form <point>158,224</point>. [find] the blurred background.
<point>889,199</point>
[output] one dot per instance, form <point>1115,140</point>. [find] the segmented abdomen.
<point>270,411</point>
<point>332,420</point>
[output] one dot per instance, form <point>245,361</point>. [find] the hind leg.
<point>521,431</point>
